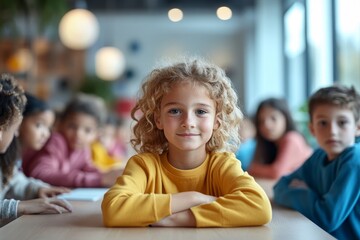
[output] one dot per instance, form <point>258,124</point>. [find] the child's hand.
<point>109,177</point>
<point>45,192</point>
<point>296,183</point>
<point>204,199</point>
<point>180,219</point>
<point>185,200</point>
<point>44,205</point>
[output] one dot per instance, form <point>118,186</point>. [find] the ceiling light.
<point>175,15</point>
<point>78,29</point>
<point>109,63</point>
<point>224,13</point>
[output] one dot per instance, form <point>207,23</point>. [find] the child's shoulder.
<point>293,136</point>
<point>146,157</point>
<point>317,156</point>
<point>57,137</point>
<point>57,141</point>
<point>222,154</point>
<point>222,157</point>
<point>351,153</point>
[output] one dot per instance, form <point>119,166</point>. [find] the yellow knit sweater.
<point>142,195</point>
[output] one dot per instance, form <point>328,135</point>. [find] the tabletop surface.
<point>85,222</point>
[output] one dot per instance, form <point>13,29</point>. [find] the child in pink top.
<point>280,148</point>
<point>65,160</point>
<point>20,195</point>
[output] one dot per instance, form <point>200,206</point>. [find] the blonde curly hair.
<point>148,138</point>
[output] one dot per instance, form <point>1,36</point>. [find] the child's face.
<point>79,129</point>
<point>35,129</point>
<point>7,134</point>
<point>108,135</point>
<point>272,123</point>
<point>187,117</point>
<point>334,128</point>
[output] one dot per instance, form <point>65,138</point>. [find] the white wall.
<point>249,46</point>
<point>199,33</point>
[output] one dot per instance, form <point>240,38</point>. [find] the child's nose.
<point>78,133</point>
<point>188,121</point>
<point>333,128</point>
<point>268,124</point>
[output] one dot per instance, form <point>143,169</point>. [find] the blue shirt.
<point>246,152</point>
<point>332,199</point>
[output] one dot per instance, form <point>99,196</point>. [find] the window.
<point>347,31</point>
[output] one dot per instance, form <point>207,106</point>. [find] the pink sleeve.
<point>53,165</point>
<point>291,154</point>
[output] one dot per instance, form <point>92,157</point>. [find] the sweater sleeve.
<point>8,208</point>
<point>292,152</point>
<point>22,187</point>
<point>127,204</point>
<point>242,202</point>
<point>53,166</point>
<point>328,210</point>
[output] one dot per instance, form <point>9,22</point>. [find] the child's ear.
<point>158,122</point>
<point>357,132</point>
<point>1,133</point>
<point>311,128</point>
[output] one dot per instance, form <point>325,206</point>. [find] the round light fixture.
<point>78,29</point>
<point>109,63</point>
<point>175,15</point>
<point>224,13</point>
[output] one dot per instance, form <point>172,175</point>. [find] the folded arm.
<point>328,210</point>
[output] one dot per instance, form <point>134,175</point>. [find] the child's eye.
<point>322,123</point>
<point>174,111</point>
<point>88,130</point>
<point>200,112</point>
<point>342,122</point>
<point>71,126</point>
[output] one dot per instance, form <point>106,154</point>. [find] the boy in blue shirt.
<point>326,188</point>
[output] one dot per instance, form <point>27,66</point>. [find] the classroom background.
<point>276,48</point>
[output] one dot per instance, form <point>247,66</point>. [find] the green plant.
<point>45,12</point>
<point>101,88</point>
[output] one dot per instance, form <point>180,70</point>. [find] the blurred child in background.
<point>66,159</point>
<point>107,153</point>
<point>120,145</point>
<point>36,126</point>
<point>280,148</point>
<point>246,151</point>
<point>16,190</point>
<point>326,188</point>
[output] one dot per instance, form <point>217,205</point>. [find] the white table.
<point>85,223</point>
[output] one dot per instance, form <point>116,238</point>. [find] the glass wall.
<point>320,44</point>
<point>347,32</point>
<point>295,54</point>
